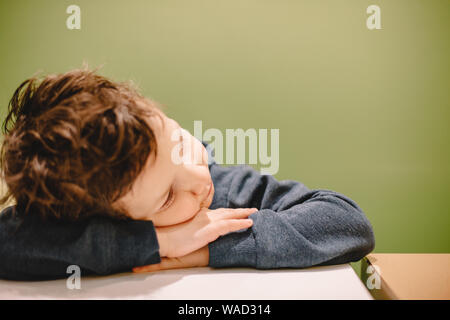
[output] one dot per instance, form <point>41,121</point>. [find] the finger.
<point>166,263</point>
<point>224,227</point>
<point>149,268</point>
<point>237,213</point>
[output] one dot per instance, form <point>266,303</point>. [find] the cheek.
<point>182,210</point>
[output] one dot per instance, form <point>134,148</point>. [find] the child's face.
<point>167,192</point>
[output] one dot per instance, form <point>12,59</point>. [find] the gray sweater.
<point>295,227</point>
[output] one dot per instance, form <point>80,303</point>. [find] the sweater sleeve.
<point>30,250</point>
<point>294,227</point>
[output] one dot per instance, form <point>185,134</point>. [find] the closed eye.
<point>169,200</point>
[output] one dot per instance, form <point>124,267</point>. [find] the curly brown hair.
<point>74,143</point>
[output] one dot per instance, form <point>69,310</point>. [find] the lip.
<point>210,189</point>
<point>209,193</point>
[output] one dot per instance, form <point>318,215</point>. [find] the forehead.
<point>157,123</point>
<point>157,167</point>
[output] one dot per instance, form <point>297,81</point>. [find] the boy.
<point>92,166</point>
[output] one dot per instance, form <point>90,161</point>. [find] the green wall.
<point>363,112</point>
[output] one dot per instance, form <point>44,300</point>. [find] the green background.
<point>363,112</point>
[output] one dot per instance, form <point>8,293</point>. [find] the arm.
<point>30,250</point>
<point>295,226</point>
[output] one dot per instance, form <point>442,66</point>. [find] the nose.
<point>194,176</point>
<point>197,152</point>
<point>194,179</point>
<point>205,157</point>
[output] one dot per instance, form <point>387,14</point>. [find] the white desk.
<point>331,282</point>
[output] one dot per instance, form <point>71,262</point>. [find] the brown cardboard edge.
<point>385,292</point>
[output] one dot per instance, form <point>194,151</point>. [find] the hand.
<point>206,226</point>
<point>199,258</point>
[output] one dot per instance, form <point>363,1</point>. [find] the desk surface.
<point>330,282</point>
